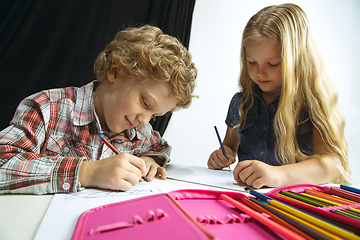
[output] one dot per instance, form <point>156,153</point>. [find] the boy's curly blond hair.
<point>148,53</point>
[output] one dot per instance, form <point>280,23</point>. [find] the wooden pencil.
<point>319,230</point>
<point>305,228</point>
<point>260,218</point>
<point>322,224</point>
<point>274,217</point>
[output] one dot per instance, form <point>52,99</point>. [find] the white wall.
<point>215,46</point>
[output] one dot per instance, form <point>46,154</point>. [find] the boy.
<point>52,144</point>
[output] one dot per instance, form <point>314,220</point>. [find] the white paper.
<point>205,176</point>
<point>64,210</point>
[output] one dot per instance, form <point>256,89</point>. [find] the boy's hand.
<point>217,160</point>
<point>153,169</point>
<point>119,172</point>
<point>258,174</point>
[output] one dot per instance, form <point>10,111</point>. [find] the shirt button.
<point>261,153</point>
<point>66,149</point>
<point>264,128</point>
<point>66,186</point>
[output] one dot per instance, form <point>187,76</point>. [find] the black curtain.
<point>48,44</point>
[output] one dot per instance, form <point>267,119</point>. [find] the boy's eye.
<point>145,103</point>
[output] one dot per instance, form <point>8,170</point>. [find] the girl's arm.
<point>217,159</point>
<point>313,171</point>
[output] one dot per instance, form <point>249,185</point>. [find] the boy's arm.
<point>24,168</point>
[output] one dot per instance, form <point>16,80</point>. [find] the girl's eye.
<point>252,62</point>
<point>273,65</point>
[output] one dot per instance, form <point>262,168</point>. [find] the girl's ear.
<point>112,72</point>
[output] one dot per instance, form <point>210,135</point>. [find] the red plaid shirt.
<point>50,135</point>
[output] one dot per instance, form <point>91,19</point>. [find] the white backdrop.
<point>215,46</point>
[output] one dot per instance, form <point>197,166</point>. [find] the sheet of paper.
<point>64,210</point>
<point>205,176</point>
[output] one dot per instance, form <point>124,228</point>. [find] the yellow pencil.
<point>324,225</point>
<point>319,230</point>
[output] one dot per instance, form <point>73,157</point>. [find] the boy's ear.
<point>112,72</point>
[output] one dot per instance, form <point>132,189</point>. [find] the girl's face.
<point>125,103</point>
<point>264,67</point>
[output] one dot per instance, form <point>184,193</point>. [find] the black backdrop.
<point>47,44</point>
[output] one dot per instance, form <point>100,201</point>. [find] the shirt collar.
<point>84,109</point>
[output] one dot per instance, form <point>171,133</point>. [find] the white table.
<point>21,215</point>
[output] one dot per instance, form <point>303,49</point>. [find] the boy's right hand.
<point>119,172</point>
<point>217,160</point>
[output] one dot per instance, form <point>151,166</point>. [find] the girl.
<point>285,124</point>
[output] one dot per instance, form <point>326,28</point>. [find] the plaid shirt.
<point>50,135</point>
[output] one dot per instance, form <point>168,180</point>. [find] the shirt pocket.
<point>67,147</point>
<point>247,136</point>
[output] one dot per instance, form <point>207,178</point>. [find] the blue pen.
<point>222,146</point>
<point>351,189</point>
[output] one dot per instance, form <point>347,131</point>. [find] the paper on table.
<point>205,176</point>
<point>64,210</point>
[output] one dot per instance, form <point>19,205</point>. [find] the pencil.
<point>260,218</point>
<point>321,233</point>
<point>222,146</point>
<point>329,197</point>
<point>302,199</point>
<point>115,151</point>
<point>341,193</point>
<point>317,222</point>
<point>349,188</point>
<point>303,226</point>
<point>274,217</point>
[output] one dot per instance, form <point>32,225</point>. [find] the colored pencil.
<point>342,193</point>
<point>320,231</point>
<point>260,218</point>
<point>320,223</point>
<point>291,219</point>
<point>115,151</point>
<point>259,195</point>
<point>274,217</point>
<point>349,188</point>
<point>221,144</point>
<point>302,199</point>
<point>333,198</point>
<point>292,199</point>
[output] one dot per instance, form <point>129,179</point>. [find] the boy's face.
<point>264,66</point>
<point>125,103</point>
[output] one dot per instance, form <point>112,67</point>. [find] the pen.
<point>222,146</point>
<point>115,150</point>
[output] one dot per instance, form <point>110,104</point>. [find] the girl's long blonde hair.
<point>305,85</point>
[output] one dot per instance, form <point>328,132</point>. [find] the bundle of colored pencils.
<point>301,223</point>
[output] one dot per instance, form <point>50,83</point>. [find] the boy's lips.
<point>128,123</point>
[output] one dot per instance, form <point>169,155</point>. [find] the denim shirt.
<point>257,137</point>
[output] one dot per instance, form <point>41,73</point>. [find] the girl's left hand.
<point>258,174</point>
<point>154,169</point>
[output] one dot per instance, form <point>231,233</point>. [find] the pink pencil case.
<point>320,211</point>
<point>183,214</point>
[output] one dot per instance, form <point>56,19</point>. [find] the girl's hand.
<point>258,174</point>
<point>153,169</point>
<point>119,172</point>
<point>217,160</point>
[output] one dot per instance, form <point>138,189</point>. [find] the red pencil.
<point>116,151</point>
<point>341,193</point>
<point>267,222</point>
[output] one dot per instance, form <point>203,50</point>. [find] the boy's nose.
<point>144,119</point>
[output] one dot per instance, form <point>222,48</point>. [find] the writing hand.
<point>119,172</point>
<point>217,160</point>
